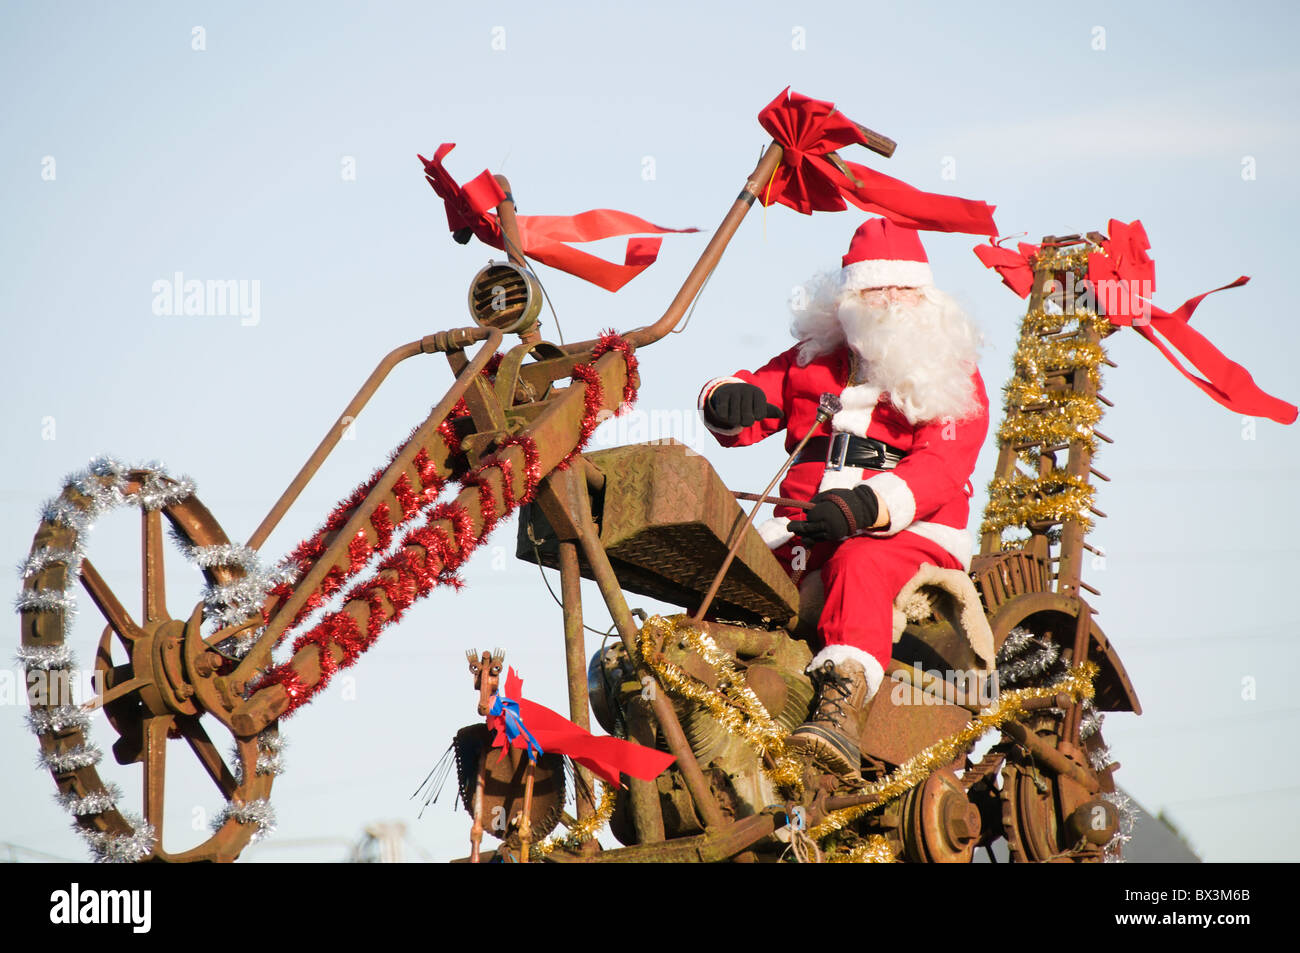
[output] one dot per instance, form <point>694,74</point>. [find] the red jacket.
<point>928,493</point>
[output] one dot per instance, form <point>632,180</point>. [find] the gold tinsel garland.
<point>1036,355</point>
<point>1053,498</point>
<point>732,703</point>
<point>876,849</point>
<point>1040,321</point>
<point>1067,417</point>
<point>1077,683</point>
<point>1071,260</point>
<point>1038,416</point>
<point>582,831</point>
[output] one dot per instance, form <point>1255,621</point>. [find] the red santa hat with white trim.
<point>882,255</point>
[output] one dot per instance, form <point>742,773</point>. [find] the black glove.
<point>738,405</point>
<point>837,514</point>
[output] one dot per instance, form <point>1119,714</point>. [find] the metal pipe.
<point>1050,756</point>
<point>712,253</point>
<point>429,344</point>
<point>285,613</point>
<point>575,661</point>
<point>647,813</point>
<point>824,413</point>
<point>331,439</point>
<point>612,592</point>
<point>514,242</point>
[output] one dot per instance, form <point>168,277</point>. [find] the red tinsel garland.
<point>404,576</point>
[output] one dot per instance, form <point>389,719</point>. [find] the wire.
<point>691,313</point>
<point>537,553</point>
<point>546,295</point>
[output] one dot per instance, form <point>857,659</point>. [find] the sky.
<point>275,145</point>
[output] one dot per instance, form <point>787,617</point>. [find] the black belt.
<point>845,450</point>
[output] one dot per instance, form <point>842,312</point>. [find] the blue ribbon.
<point>507,709</point>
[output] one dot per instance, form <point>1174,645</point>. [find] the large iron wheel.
<point>1049,814</point>
<point>158,679</point>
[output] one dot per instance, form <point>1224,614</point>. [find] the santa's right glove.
<point>838,514</point>
<point>738,404</point>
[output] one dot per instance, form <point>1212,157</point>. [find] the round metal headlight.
<point>506,297</point>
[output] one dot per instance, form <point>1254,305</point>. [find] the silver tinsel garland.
<point>121,848</point>
<point>96,802</point>
<point>270,755</point>
<point>48,556</point>
<point>1128,815</point>
<point>80,756</point>
<point>45,657</point>
<point>234,602</point>
<point>45,600</point>
<point>45,721</point>
<point>256,812</point>
<point>103,484</point>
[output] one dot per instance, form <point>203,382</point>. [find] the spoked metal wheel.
<point>1057,795</point>
<point>156,678</point>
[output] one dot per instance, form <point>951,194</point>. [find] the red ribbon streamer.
<point>1122,279</point>
<point>545,237</point>
<point>808,180</point>
<point>606,757</point>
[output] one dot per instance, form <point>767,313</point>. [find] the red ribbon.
<point>544,237</point>
<point>1122,281</point>
<point>808,180</point>
<point>606,757</point>
<point>1015,268</point>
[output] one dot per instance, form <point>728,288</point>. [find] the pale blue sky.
<point>225,163</point>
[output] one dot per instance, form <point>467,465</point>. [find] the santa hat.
<point>883,254</point>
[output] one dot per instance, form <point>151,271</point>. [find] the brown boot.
<point>830,736</point>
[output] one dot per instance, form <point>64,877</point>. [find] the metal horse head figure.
<point>486,669</point>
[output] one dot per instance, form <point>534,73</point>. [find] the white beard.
<point>922,355</point>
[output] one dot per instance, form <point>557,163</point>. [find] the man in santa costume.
<point>888,477</point>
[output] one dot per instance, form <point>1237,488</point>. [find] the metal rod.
<point>738,529</point>
<point>331,439</point>
<point>1050,756</point>
<point>776,500</point>
<point>575,659</point>
<point>612,592</point>
<point>361,517</point>
<point>647,813</point>
<point>1082,633</point>
<point>712,253</point>
<point>514,243</point>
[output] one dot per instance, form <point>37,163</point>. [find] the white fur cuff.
<point>850,653</point>
<point>894,492</point>
<point>776,531</point>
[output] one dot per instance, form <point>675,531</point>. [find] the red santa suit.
<point>927,493</point>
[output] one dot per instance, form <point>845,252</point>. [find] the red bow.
<point>544,236</point>
<point>808,180</point>
<point>1015,268</point>
<point>1122,281</point>
<point>605,756</point>
<point>1127,274</point>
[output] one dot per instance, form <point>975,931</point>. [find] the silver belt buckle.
<point>838,451</point>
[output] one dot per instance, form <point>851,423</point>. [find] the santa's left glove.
<point>838,514</point>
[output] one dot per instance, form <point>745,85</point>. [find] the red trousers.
<point>862,575</point>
